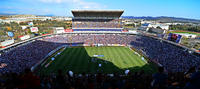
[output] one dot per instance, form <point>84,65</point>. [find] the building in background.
<point>97,20</point>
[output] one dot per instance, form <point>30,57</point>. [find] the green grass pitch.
<point>82,60</point>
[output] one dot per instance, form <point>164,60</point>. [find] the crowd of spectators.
<point>25,56</point>
<point>176,61</point>
<point>134,80</point>
<point>96,23</point>
<point>104,39</point>
<point>173,58</point>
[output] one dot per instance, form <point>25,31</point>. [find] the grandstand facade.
<point>97,20</point>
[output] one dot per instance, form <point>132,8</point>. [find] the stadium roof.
<point>97,13</point>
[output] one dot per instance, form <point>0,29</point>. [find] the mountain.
<point>142,17</point>
<point>6,14</point>
<point>164,19</point>
<point>50,15</point>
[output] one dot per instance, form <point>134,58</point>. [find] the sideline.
<point>49,54</point>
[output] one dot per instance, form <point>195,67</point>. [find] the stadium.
<point>99,51</point>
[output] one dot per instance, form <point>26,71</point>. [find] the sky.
<point>171,8</point>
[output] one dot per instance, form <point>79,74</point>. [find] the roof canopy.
<point>97,13</point>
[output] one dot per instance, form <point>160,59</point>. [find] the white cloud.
<point>77,4</point>
<point>54,1</point>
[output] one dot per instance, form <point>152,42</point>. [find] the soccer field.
<point>87,60</point>
<point>186,32</point>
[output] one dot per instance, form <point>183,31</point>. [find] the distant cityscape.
<point>21,18</point>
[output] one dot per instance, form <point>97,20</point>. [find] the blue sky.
<point>174,8</point>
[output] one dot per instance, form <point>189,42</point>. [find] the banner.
<point>116,44</point>
<point>174,37</point>
<point>133,31</point>
<point>68,30</point>
<point>60,30</point>
<point>124,30</point>
<point>99,44</point>
<point>74,44</point>
<point>34,29</point>
<point>86,45</point>
<point>123,45</point>
<point>178,39</point>
<point>24,37</point>
<point>10,34</point>
<point>6,43</point>
<point>109,44</point>
<point>30,23</point>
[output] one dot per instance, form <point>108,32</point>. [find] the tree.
<point>9,28</point>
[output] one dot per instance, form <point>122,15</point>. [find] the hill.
<point>165,19</point>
